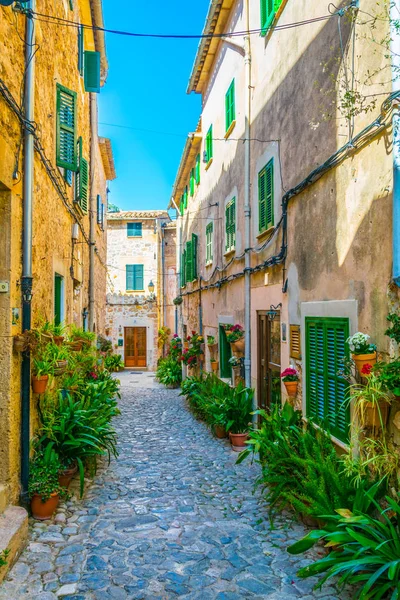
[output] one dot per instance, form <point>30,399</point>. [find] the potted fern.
<point>370,401</point>
<point>41,369</point>
<point>238,406</point>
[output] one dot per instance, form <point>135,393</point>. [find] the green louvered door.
<point>326,390</point>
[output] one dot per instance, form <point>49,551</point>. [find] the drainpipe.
<point>178,265</point>
<point>163,275</point>
<point>92,215</point>
<point>395,51</point>
<point>26,279</point>
<point>247,208</point>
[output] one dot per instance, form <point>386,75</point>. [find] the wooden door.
<point>269,359</point>
<point>135,347</point>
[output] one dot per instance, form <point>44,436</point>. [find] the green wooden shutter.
<point>198,169</point>
<point>267,14</point>
<point>129,277</point>
<point>326,390</point>
<point>194,256</point>
<point>262,209</point>
<point>230,221</point>
<point>92,71</point>
<point>183,269</point>
<point>82,180</point>
<point>138,279</point>
<point>66,123</point>
<point>192,180</point>
<point>189,261</point>
<point>266,197</point>
<point>185,197</point>
<point>71,4</point>
<point>80,49</point>
<point>209,144</point>
<point>225,354</point>
<point>230,106</point>
<point>181,206</point>
<point>57,299</point>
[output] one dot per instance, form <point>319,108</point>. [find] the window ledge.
<point>208,165</point>
<point>230,129</point>
<point>134,236</point>
<point>264,234</point>
<point>133,291</point>
<point>230,252</point>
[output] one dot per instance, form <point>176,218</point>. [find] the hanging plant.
<point>178,300</point>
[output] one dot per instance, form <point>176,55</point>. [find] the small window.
<point>326,390</point>
<point>209,243</point>
<point>230,115</point>
<point>134,278</point>
<point>192,182</point>
<point>266,197</point>
<point>209,144</point>
<point>230,225</point>
<point>134,229</point>
<point>198,169</point>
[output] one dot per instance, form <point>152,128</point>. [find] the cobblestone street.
<point>173,516</point>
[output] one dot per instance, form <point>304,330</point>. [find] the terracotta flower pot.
<point>291,388</point>
<point>238,441</point>
<point>58,340</point>
<point>201,357</point>
<point>375,416</point>
<point>214,366</point>
<point>364,359</point>
<point>65,477</point>
<point>238,346</point>
<point>61,367</point>
<point>76,346</point>
<point>220,432</point>
<point>44,510</point>
<point>39,384</point>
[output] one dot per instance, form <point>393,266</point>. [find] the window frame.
<point>209,243</point>
<point>230,108</point>
<point>130,226</point>
<point>230,225</point>
<point>134,276</point>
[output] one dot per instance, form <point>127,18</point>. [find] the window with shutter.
<point>225,353</point>
<point>134,229</point>
<point>183,269</point>
<point>326,390</point>
<point>81,179</point>
<point>209,243</point>
<point>267,14</point>
<point>181,206</point>
<point>194,256</point>
<point>230,225</point>
<point>198,169</point>
<point>66,122</point>
<point>134,278</point>
<point>80,49</point>
<point>192,180</point>
<point>91,68</point>
<point>230,106</point>
<point>185,198</point>
<point>71,4</point>
<point>209,144</point>
<point>189,261</point>
<point>266,197</point>
<point>295,343</point>
<point>102,217</point>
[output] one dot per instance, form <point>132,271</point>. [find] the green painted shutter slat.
<point>209,144</point>
<point>194,255</point>
<point>192,180</point>
<point>266,197</point>
<point>262,209</point>
<point>185,198</point>
<point>82,179</point>
<point>189,261</point>
<point>92,71</point>
<point>183,269</point>
<point>230,105</point>
<point>129,277</point>
<point>80,49</point>
<point>181,206</point>
<point>66,123</point>
<point>198,169</point>
<point>267,14</point>
<point>326,390</point>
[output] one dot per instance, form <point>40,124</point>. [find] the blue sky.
<point>146,90</point>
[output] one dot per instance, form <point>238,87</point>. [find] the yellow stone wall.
<point>53,251</point>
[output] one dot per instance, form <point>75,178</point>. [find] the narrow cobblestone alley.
<point>173,516</point>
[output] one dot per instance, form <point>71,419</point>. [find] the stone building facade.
<point>67,219</point>
<point>137,243</point>
<point>283,187</point>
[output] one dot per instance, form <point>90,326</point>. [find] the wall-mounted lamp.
<point>151,287</point>
<point>273,311</point>
<point>26,288</point>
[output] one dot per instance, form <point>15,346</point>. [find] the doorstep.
<point>13,535</point>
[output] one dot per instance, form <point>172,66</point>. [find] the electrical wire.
<point>52,19</point>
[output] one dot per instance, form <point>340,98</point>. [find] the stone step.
<point>13,535</point>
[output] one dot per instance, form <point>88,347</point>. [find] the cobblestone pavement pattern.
<point>172,517</point>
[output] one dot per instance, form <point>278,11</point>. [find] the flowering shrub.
<point>366,370</point>
<point>289,374</point>
<point>359,343</point>
<point>189,357</point>
<point>234,333</point>
<point>175,346</point>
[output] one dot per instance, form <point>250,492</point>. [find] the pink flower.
<point>289,371</point>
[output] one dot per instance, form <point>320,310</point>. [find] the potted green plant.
<point>290,378</point>
<point>362,351</point>
<point>178,300</point>
<point>58,334</point>
<point>44,488</point>
<point>169,372</point>
<point>78,337</point>
<point>239,405</point>
<point>235,337</point>
<point>214,365</point>
<point>41,369</point>
<point>211,341</point>
<point>370,401</point>
<point>389,374</point>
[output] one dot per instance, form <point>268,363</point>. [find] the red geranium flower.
<point>366,370</point>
